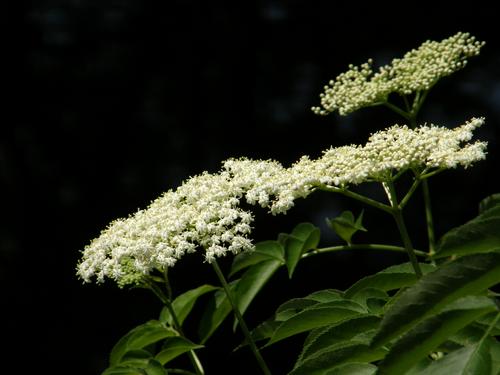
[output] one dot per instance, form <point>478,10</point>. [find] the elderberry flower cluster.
<point>389,151</point>
<point>205,213</point>
<point>418,70</point>
<point>202,212</point>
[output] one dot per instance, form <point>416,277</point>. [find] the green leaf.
<point>252,282</point>
<point>479,235</point>
<point>489,202</point>
<point>307,233</point>
<point>304,237</point>
<point>345,225</point>
<point>138,338</point>
<point>353,369</point>
<point>325,295</point>
<point>329,360</point>
<point>263,331</point>
<point>184,303</point>
<point>123,370</point>
<point>263,251</point>
<point>136,358</point>
<point>345,330</point>
<point>173,347</point>
<point>292,307</point>
<point>315,316</point>
<point>293,252</point>
<point>215,313</point>
<point>465,276</point>
<point>394,277</point>
<point>138,366</point>
<point>424,338</point>
<point>155,368</point>
<point>495,356</point>
<point>469,360</point>
<point>295,305</point>
<point>371,298</point>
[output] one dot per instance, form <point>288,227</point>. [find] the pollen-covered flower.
<point>418,70</point>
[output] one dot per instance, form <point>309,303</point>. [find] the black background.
<point>114,102</point>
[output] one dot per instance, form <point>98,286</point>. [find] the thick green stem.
<point>408,195</point>
<point>195,361</point>
<point>356,196</point>
<point>370,246</point>
<point>396,109</point>
<point>428,217</point>
<point>398,217</point>
<point>239,317</point>
<point>425,185</point>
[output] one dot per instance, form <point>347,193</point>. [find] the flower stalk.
<point>241,321</point>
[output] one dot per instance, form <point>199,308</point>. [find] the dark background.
<point>115,102</point>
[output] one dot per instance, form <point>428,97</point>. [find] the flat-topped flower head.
<point>387,152</point>
<point>204,213</point>
<point>418,70</point>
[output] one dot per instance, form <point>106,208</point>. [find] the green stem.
<point>398,217</point>
<point>408,195</point>
<point>419,99</point>
<point>239,317</point>
<point>430,174</point>
<point>371,246</point>
<point>428,217</point>
<point>396,109</point>
<point>357,196</point>
<point>166,301</point>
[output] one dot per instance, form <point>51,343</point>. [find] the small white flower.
<point>418,70</point>
<point>204,212</point>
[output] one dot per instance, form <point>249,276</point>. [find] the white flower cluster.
<point>418,70</point>
<point>394,149</point>
<point>204,212</point>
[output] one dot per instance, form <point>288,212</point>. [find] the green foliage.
<point>390,323</point>
<point>480,235</point>
<point>346,226</point>
<point>139,338</point>
<point>184,303</point>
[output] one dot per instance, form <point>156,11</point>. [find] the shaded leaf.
<point>138,338</point>
<point>464,276</point>
<point>263,251</point>
<point>328,336</point>
<point>315,316</point>
<point>293,252</point>
<point>470,360</point>
<point>371,296</point>
<point>417,343</point>
<point>478,235</point>
<point>215,313</point>
<point>155,368</point>
<point>123,370</point>
<point>184,303</point>
<point>489,202</point>
<point>307,233</point>
<point>252,282</point>
<point>353,369</point>
<point>345,225</point>
<point>330,360</point>
<point>173,347</point>
<point>394,277</point>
